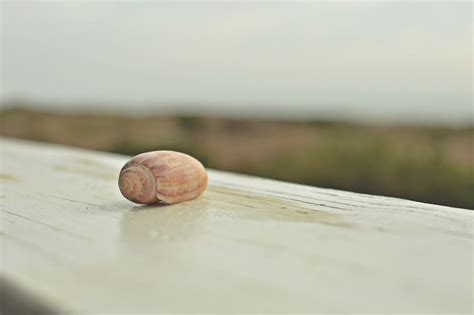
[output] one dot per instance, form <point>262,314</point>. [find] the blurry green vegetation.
<point>375,168</point>
<point>429,164</point>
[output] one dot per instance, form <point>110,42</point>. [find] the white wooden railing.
<point>72,243</point>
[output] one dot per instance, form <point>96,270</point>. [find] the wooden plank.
<point>70,240</point>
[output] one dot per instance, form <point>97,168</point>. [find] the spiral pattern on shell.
<point>162,176</point>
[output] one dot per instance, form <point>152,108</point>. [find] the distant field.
<point>427,164</point>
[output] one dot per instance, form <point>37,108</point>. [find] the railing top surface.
<point>247,245</point>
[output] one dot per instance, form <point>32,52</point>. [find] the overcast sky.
<point>408,60</point>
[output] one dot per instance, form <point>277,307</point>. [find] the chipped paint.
<point>260,207</point>
<point>8,177</point>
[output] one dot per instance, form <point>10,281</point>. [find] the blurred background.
<point>371,97</point>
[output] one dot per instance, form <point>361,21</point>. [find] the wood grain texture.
<point>247,245</point>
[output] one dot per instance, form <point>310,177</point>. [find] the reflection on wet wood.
<point>71,242</point>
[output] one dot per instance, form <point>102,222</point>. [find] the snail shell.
<point>162,176</point>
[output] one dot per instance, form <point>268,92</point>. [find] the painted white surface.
<point>247,245</point>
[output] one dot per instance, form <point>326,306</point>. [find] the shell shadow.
<point>146,228</point>
<point>157,205</point>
